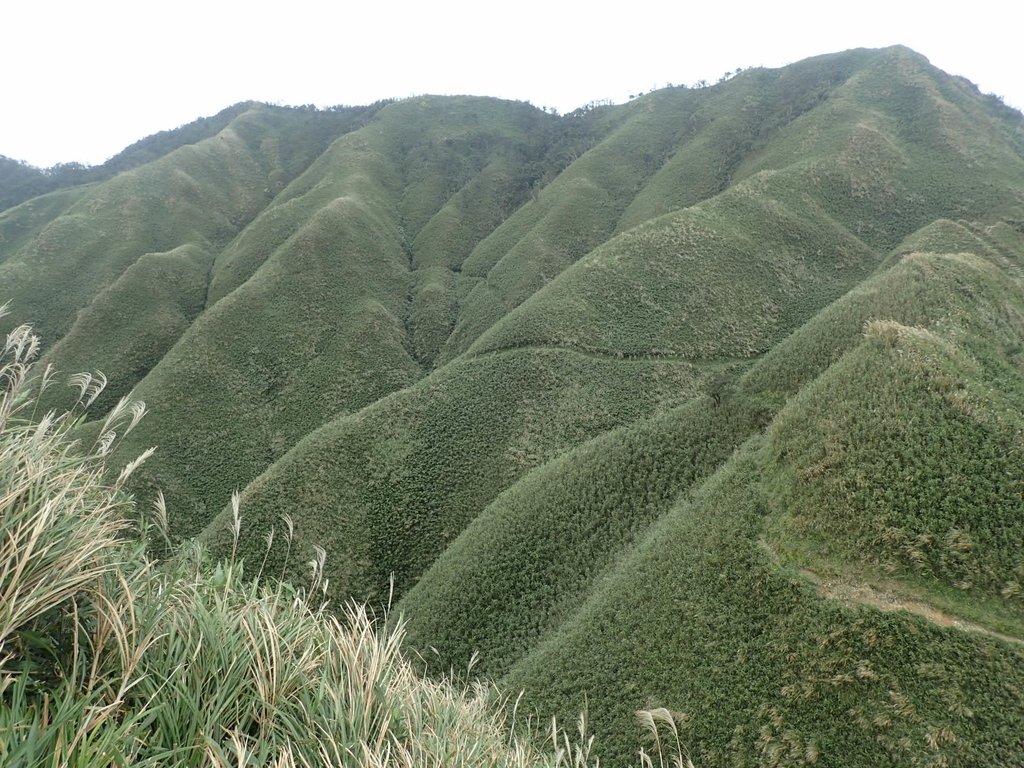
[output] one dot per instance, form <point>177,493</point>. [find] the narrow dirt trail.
<point>884,600</point>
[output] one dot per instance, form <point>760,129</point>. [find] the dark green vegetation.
<point>20,181</point>
<point>710,401</point>
<point>109,658</point>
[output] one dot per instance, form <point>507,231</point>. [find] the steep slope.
<point>892,466</point>
<point>914,473</point>
<point>528,560</point>
<point>199,195</point>
<point>386,489</point>
<point>512,586</point>
<point>668,150</point>
<point>137,318</point>
<point>20,224</point>
<point>656,404</point>
<point>761,670</point>
<point>732,123</point>
<point>680,287</point>
<point>309,308</point>
<point>307,126</point>
<point>474,593</point>
<point>686,284</point>
<point>573,214</point>
<point>723,280</point>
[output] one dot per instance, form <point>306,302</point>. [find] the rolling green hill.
<point>711,401</point>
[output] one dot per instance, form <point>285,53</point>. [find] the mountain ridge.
<point>588,393</point>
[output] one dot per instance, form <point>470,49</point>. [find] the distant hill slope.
<point>20,181</point>
<point>661,404</point>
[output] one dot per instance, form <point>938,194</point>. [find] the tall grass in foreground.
<point>109,659</point>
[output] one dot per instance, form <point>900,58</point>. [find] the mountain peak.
<point>651,404</point>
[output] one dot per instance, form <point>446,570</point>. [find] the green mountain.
<point>710,401</point>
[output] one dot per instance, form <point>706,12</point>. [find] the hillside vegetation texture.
<point>708,405</point>
<point>109,658</point>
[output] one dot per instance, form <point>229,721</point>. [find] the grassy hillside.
<point>526,562</point>
<point>721,280</point>
<point>730,124</point>
<point>106,656</point>
<point>568,217</point>
<point>310,309</point>
<point>201,195</point>
<point>761,669</point>
<point>915,288</point>
<point>923,456</point>
<point>730,276</point>
<point>20,224</point>
<point>710,401</point>
<point>138,318</point>
<point>20,181</point>
<point>392,485</point>
<point>753,606</point>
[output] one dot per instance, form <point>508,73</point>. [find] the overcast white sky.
<point>85,79</point>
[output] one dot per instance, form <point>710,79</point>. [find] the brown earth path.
<point>885,600</point>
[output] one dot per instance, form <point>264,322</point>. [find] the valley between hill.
<point>710,401</point>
